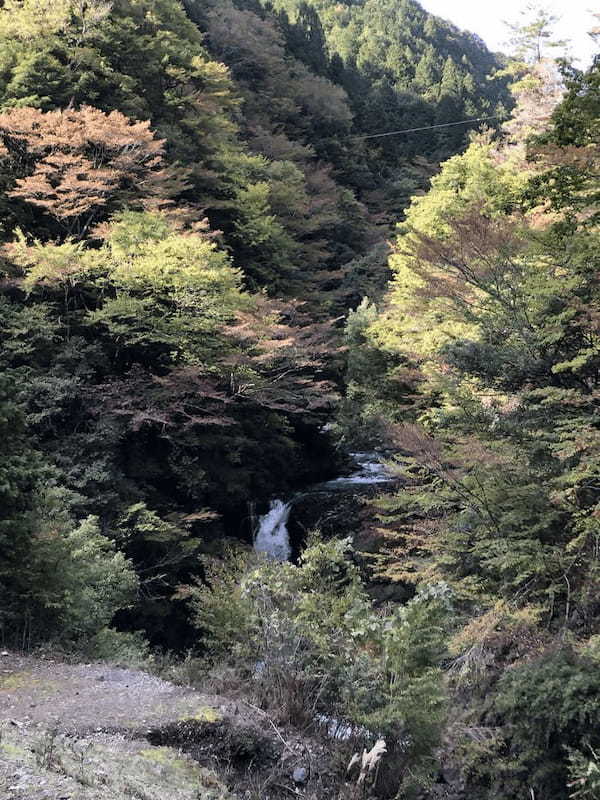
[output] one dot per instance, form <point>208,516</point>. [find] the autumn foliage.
<point>78,166</point>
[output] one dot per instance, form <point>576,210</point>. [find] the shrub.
<point>119,647</point>
<point>71,581</point>
<point>313,648</point>
<point>548,708</point>
<point>584,773</point>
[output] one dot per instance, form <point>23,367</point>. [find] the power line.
<point>425,128</point>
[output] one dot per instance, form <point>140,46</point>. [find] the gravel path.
<point>84,697</point>
<point>77,732</point>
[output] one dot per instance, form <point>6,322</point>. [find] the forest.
<point>220,278</point>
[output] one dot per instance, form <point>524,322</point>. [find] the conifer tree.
<point>532,36</point>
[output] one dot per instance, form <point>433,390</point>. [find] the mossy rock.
<point>204,714</point>
<point>18,681</point>
<point>36,764</point>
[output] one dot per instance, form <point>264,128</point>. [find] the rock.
<point>328,511</point>
<point>300,775</point>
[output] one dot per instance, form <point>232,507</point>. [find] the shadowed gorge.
<point>299,391</point>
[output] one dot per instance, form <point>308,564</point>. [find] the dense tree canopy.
<point>493,312</point>
<point>200,311</point>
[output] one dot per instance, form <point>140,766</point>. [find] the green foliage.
<point>409,60</point>
<point>65,581</point>
<point>119,647</point>
<point>568,151</point>
<point>145,258</point>
<point>150,61</point>
<point>152,385</point>
<point>533,34</point>
<point>375,388</point>
<point>152,382</point>
<point>493,306</point>
<point>585,774</point>
<point>163,73</point>
<point>81,582</point>
<point>559,692</point>
<point>114,56</point>
<point>311,643</point>
<point>162,551</point>
<point>21,474</point>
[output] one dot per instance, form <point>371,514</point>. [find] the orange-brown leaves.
<point>79,165</point>
<point>281,357</point>
<point>480,253</point>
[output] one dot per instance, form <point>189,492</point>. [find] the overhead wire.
<point>424,128</point>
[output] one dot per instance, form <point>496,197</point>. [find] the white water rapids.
<point>370,470</point>
<point>272,536</point>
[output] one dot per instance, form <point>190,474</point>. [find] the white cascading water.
<point>272,537</point>
<point>370,470</point>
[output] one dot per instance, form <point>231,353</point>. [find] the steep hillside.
<point>397,66</point>
<point>168,175</point>
<point>100,732</point>
<point>198,338</point>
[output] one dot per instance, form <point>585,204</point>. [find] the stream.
<point>272,535</point>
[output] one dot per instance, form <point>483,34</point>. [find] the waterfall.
<point>272,537</point>
<point>369,471</point>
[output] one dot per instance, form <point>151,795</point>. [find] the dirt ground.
<point>100,732</point>
<point>95,697</point>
